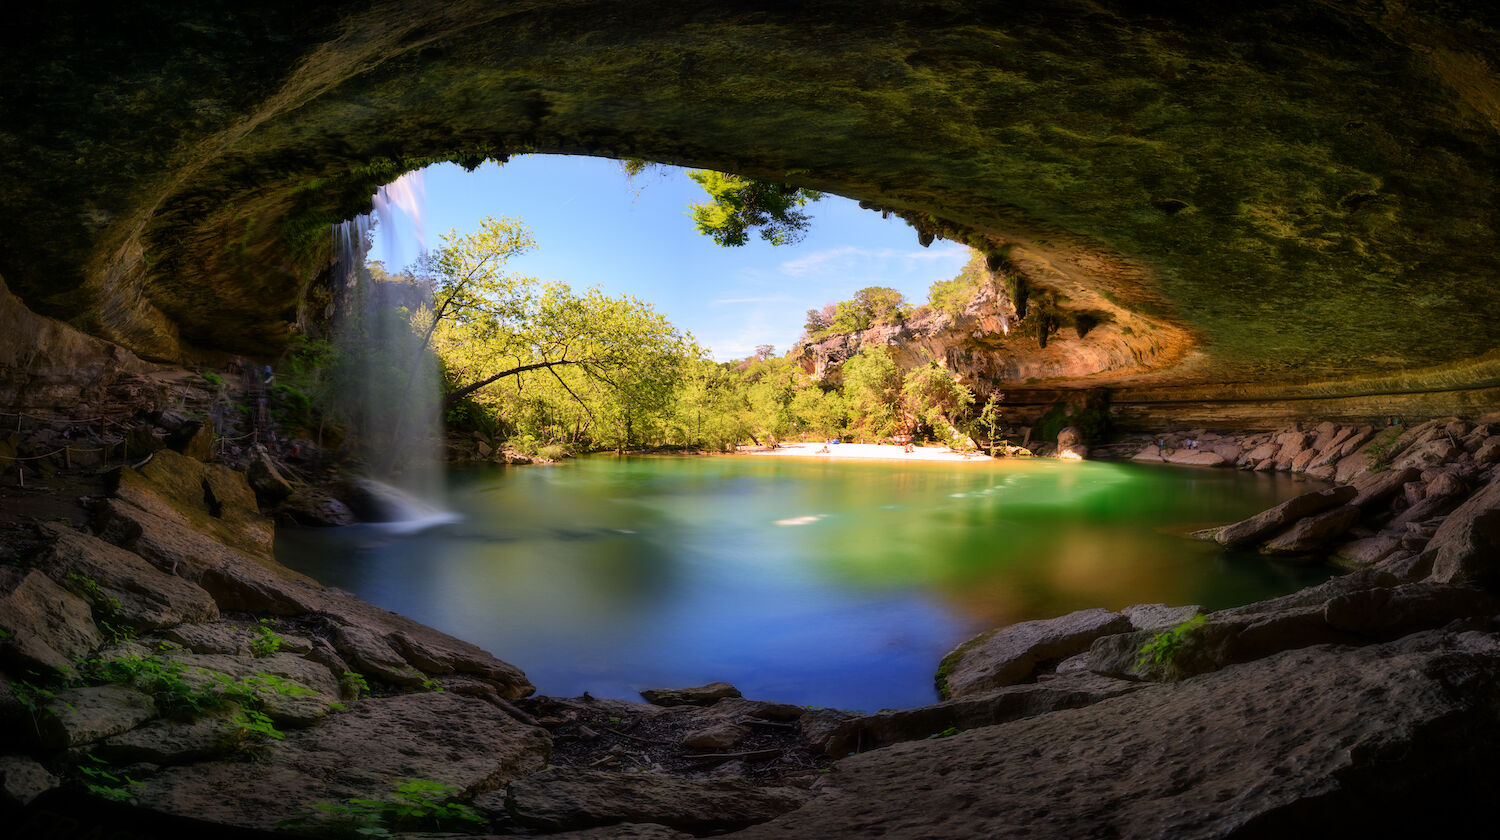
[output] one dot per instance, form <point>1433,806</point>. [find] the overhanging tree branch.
<point>475,386</point>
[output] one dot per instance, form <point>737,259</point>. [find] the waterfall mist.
<point>390,390</point>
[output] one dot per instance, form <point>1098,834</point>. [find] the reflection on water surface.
<point>832,584</point>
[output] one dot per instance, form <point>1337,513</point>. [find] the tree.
<point>933,396</point>
<point>882,304</point>
<point>579,364</point>
<point>738,205</point>
<point>872,390</point>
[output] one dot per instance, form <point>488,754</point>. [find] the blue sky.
<point>595,228</point>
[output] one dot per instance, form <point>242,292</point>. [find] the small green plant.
<point>946,733</point>
<point>266,641</point>
<point>213,379</point>
<point>1378,452</point>
<point>430,684</point>
<point>417,805</point>
<point>101,780</point>
<point>106,608</point>
<point>1165,648</point>
<point>354,685</point>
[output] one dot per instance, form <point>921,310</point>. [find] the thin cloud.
<point>817,260</point>
<point>841,259</point>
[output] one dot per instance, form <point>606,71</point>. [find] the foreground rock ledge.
<point>1324,739</point>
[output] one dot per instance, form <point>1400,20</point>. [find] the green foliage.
<point>1378,450</point>
<point>353,685</point>
<point>951,296</point>
<point>872,389</point>
<point>102,780</point>
<point>932,397</point>
<point>266,641</point>
<point>870,306</point>
<point>182,693</point>
<point>547,367</point>
<point>213,379</point>
<point>739,205</point>
<point>416,805</point>
<point>1166,648</point>
<point>106,608</point>
<point>990,420</point>
<point>945,733</point>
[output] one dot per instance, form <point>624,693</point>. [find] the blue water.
<point>833,584</point>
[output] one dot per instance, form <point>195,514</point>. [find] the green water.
<point>834,584</point>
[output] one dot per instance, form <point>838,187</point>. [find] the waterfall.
<point>390,390</point>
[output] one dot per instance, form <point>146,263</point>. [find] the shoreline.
<point>863,452</point>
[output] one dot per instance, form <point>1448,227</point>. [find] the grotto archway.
<point>1302,193</point>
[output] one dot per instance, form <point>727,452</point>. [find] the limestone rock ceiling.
<point>1289,193</point>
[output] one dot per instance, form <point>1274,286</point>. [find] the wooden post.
<point>20,475</point>
<point>67,457</point>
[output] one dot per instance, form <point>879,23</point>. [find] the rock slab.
<point>563,798</point>
<point>1012,654</point>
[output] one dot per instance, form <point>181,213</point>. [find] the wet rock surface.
<point>1012,654</point>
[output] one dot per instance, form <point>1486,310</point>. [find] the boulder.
<point>216,637</point>
<point>703,695</point>
<point>1376,487</point>
<point>1466,547</point>
<point>1488,451</point>
<point>1313,532</point>
<point>1150,453</point>
<point>1258,527</point>
<point>1367,551</point>
<point>125,590</point>
<point>265,479</point>
<point>1069,436</point>
<point>1371,742</point>
<point>22,779</point>
<point>140,441</point>
<point>1158,617</point>
<point>1196,458</point>
<point>1261,452</point>
<point>81,715</point>
<point>194,439</point>
<point>562,798</point>
<point>208,498</point>
<point>312,507</point>
<point>720,736</point>
<point>45,626</point>
<point>371,655</point>
<point>168,742</point>
<point>361,753</point>
<point>1012,654</point>
<point>1427,454</point>
<point>1303,460</point>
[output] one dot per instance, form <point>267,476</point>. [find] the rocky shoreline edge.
<point>164,657</point>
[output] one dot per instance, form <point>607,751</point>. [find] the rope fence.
<point>68,450</point>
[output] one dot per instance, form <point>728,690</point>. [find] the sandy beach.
<point>863,451</point>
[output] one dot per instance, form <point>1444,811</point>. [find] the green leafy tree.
<point>738,205</point>
<point>872,391</point>
<point>822,414</point>
<point>931,394</point>
<point>951,296</point>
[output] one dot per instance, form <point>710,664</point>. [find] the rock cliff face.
<point>990,346</point>
<point>1300,190</point>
